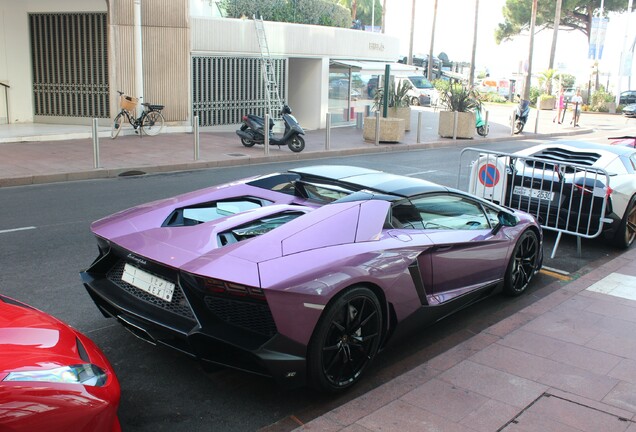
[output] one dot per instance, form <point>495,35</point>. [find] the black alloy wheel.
<point>415,101</point>
<point>626,233</point>
<point>345,341</point>
<point>518,127</point>
<point>523,264</point>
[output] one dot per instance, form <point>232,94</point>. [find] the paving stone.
<point>586,358</point>
<point>533,343</point>
<point>445,399</point>
<point>490,416</point>
<point>404,417</point>
<point>623,396</point>
<point>493,383</point>
<point>578,381</point>
<point>514,361</point>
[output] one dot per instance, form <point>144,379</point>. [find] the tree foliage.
<point>363,10</point>
<point>575,15</point>
<point>320,12</point>
<point>546,80</point>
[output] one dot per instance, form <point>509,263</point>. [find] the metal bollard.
<point>536,122</point>
<point>266,134</point>
<point>196,138</point>
<point>95,144</point>
<point>486,121</point>
<point>377,128</point>
<point>328,132</point>
<point>367,110</point>
<point>359,120</point>
<point>455,118</point>
<point>420,115</point>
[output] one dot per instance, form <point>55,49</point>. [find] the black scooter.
<point>521,115</point>
<point>252,131</point>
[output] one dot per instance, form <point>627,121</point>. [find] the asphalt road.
<point>45,241</point>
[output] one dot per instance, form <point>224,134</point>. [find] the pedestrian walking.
<point>577,100</point>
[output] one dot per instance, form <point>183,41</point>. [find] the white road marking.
<point>420,172</point>
<point>17,229</point>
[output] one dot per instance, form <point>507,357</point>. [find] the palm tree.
<point>557,20</point>
<point>364,5</point>
<point>546,77</point>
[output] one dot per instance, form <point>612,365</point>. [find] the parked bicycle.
<point>150,121</point>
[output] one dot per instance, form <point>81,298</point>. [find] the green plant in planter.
<point>398,95</point>
<point>460,98</point>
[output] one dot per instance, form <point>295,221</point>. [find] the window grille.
<point>69,57</point>
<point>224,89</point>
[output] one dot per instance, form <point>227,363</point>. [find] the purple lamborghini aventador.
<point>304,275</point>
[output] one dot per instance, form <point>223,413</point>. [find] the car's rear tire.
<point>415,101</point>
<point>345,340</point>
<point>518,127</point>
<point>523,264</point>
<point>626,233</point>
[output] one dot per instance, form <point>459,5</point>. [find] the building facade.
<point>64,61</point>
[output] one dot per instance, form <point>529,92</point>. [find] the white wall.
<point>307,87</point>
<point>15,50</point>
<point>238,37</point>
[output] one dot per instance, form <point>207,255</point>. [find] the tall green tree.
<point>367,13</point>
<point>362,9</point>
<point>575,15</point>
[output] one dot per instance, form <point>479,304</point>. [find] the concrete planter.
<point>403,113</point>
<point>465,124</point>
<point>391,129</point>
<point>547,103</point>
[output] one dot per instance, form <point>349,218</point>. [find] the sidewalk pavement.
<point>38,153</point>
<point>565,363</point>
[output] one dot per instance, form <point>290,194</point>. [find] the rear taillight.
<point>234,289</point>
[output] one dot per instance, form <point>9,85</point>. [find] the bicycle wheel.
<point>152,123</point>
<point>117,125</point>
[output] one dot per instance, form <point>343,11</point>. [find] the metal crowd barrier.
<point>520,183</point>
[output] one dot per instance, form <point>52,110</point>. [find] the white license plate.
<point>152,284</point>
<point>533,193</point>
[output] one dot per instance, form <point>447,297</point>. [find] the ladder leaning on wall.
<point>274,102</point>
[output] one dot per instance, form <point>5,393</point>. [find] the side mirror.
<point>505,219</point>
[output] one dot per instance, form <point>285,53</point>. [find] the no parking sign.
<point>489,175</point>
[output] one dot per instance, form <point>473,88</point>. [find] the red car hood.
<point>30,339</point>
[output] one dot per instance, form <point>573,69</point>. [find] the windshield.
<point>420,82</point>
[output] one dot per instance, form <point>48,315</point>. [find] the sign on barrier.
<point>564,197</point>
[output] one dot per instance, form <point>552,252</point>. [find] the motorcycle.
<point>252,131</point>
<point>521,115</point>
<point>480,124</point>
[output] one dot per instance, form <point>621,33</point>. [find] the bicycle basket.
<point>128,103</point>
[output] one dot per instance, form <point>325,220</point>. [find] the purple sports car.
<point>304,275</point>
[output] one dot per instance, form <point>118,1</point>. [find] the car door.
<point>466,255</point>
